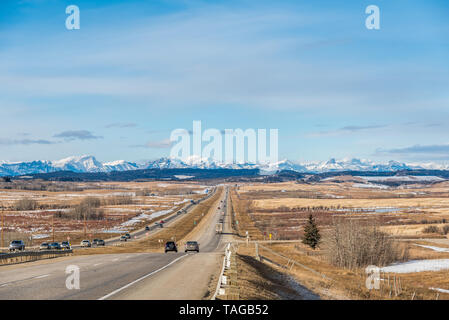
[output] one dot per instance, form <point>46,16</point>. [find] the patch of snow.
<point>369,186</point>
<point>440,290</point>
<point>40,236</point>
<point>439,249</point>
<point>181,177</point>
<point>417,266</point>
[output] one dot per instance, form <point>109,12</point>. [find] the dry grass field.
<point>414,216</point>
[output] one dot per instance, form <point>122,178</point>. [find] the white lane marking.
<point>17,281</point>
<point>116,259</point>
<point>140,279</point>
<point>97,264</point>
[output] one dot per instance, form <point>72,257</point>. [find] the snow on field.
<point>333,196</point>
<point>40,236</point>
<point>122,209</point>
<point>140,218</point>
<point>439,290</point>
<point>180,176</point>
<point>369,186</point>
<point>163,185</point>
<point>77,195</point>
<point>205,191</point>
<point>417,266</point>
<point>118,230</point>
<point>439,249</point>
<point>180,202</point>
<point>403,178</point>
<point>160,213</point>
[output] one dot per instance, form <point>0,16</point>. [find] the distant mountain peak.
<point>88,163</point>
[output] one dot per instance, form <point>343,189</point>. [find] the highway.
<point>124,276</point>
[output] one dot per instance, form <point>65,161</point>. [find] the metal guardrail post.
<point>227,287</point>
<point>18,257</point>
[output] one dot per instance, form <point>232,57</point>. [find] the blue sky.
<point>138,69</point>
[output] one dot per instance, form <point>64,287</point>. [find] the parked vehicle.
<point>65,245</point>
<point>147,228</point>
<point>171,246</point>
<point>16,245</point>
<point>55,246</point>
<point>94,242</point>
<point>44,246</point>
<point>128,236</point>
<point>123,238</point>
<point>86,243</point>
<point>192,246</point>
<point>100,242</point>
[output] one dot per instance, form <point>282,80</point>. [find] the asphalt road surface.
<point>122,276</point>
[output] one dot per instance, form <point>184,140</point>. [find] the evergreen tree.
<point>311,235</point>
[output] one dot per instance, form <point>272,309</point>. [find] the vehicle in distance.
<point>123,238</point>
<point>16,245</point>
<point>98,242</point>
<point>147,228</point>
<point>128,236</point>
<point>44,246</point>
<point>86,243</point>
<point>192,246</point>
<point>171,246</point>
<point>55,246</point>
<point>219,228</point>
<point>65,245</point>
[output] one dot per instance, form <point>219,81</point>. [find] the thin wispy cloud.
<point>423,149</point>
<point>346,130</point>
<point>157,144</point>
<point>121,125</point>
<point>77,135</point>
<point>24,141</point>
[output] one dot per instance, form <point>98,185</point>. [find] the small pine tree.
<point>311,235</point>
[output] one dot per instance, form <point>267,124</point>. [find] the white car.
<point>85,243</point>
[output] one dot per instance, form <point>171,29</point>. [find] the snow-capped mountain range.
<point>88,163</point>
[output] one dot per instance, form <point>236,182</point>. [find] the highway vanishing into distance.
<point>126,275</point>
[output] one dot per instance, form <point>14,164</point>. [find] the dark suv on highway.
<point>55,246</point>
<point>192,246</point>
<point>171,246</point>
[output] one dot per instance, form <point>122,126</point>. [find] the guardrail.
<point>227,282</point>
<point>20,257</point>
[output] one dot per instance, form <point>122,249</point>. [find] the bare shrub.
<point>25,204</point>
<point>431,229</point>
<point>87,209</point>
<point>118,200</point>
<point>143,193</point>
<point>352,244</point>
<point>445,229</point>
